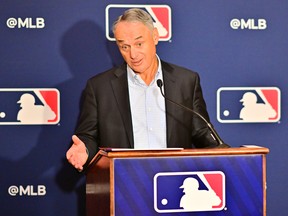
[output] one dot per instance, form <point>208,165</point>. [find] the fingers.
<point>74,160</point>
<point>77,165</point>
<point>69,154</point>
<point>77,154</point>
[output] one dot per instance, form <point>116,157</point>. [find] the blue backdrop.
<point>49,49</point>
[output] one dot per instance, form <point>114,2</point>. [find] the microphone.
<point>214,134</point>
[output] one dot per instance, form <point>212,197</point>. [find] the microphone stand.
<point>214,134</point>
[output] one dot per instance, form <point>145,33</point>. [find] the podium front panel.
<point>225,185</point>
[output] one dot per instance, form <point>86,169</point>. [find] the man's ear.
<point>155,36</point>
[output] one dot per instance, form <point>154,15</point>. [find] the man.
<point>123,107</point>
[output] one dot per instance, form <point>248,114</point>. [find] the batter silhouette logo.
<point>189,191</point>
<point>29,106</point>
<point>248,104</point>
<point>161,15</point>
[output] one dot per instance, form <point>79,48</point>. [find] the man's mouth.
<point>136,63</point>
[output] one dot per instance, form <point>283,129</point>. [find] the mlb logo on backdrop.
<point>161,15</point>
<point>29,106</point>
<point>189,191</point>
<point>248,104</point>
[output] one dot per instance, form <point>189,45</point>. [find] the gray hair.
<point>135,15</point>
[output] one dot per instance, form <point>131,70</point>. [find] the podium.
<point>154,182</point>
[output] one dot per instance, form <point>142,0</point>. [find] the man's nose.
<point>133,52</point>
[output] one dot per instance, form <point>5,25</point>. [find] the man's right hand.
<point>77,154</point>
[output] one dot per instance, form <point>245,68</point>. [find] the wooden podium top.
<point>132,153</point>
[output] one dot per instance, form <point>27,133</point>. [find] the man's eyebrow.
<point>138,38</point>
<point>122,41</point>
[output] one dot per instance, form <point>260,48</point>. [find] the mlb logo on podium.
<point>161,15</point>
<point>29,106</point>
<point>248,104</point>
<point>189,191</point>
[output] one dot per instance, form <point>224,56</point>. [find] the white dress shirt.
<point>148,111</point>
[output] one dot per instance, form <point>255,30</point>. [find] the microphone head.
<point>159,83</point>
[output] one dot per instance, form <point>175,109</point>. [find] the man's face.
<point>137,44</point>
